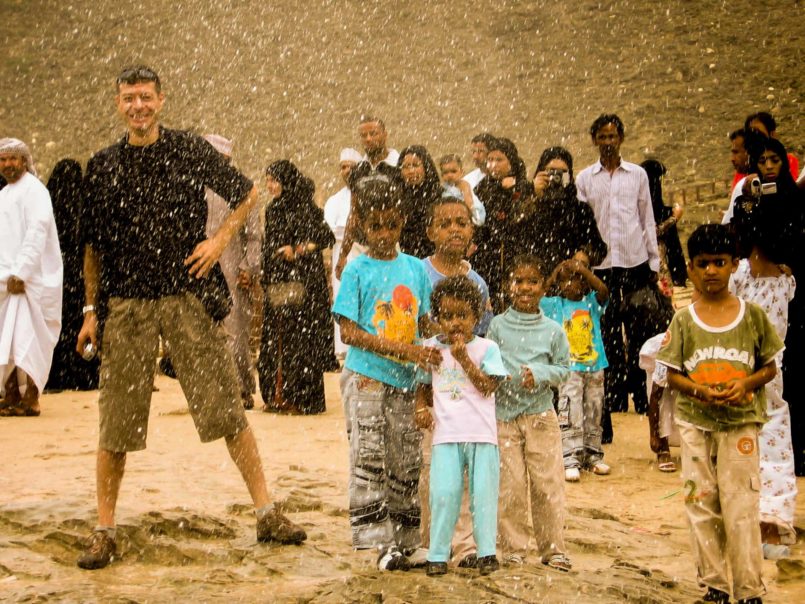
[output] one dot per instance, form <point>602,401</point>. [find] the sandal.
<point>559,562</point>
<point>665,463</point>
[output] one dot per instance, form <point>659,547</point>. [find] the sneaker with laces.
<point>99,550</point>
<point>273,526</point>
<point>488,564</point>
<point>599,468</point>
<point>392,559</point>
<point>469,561</point>
<point>572,474</point>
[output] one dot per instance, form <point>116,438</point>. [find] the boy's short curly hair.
<point>376,192</point>
<point>459,287</point>
<point>712,239</point>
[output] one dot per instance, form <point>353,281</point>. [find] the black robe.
<point>297,342</point>
<point>69,371</point>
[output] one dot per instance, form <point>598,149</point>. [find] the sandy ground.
<point>187,531</point>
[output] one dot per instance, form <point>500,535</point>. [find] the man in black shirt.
<point>146,249</point>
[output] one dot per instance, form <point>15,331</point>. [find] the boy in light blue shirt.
<point>578,309</point>
<point>382,303</point>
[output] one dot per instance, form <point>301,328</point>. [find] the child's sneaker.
<point>273,526</point>
<point>436,569</point>
<point>392,559</point>
<point>99,549</point>
<point>599,468</point>
<point>717,596</point>
<point>572,474</point>
<point>487,564</point>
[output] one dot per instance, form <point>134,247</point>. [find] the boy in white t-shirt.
<point>462,393</point>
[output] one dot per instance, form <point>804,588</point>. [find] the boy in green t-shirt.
<point>720,352</point>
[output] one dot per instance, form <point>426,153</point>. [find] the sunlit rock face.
<point>285,82</point>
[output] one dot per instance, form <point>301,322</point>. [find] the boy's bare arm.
<point>346,244</point>
<point>486,384</point>
<point>424,399</point>
<point>601,290</point>
<point>353,335</point>
<point>549,282</point>
<point>682,383</point>
<point>736,392</point>
<point>427,326</point>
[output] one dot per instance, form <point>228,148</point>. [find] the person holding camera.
<point>560,227</point>
<point>769,220</point>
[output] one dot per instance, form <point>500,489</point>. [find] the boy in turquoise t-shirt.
<point>382,303</point>
<point>578,309</point>
<point>720,352</point>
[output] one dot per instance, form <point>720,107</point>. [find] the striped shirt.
<point>622,206</point>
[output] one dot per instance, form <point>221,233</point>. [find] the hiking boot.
<point>436,569</point>
<point>717,596</point>
<point>487,564</point>
<point>99,549</point>
<point>273,526</point>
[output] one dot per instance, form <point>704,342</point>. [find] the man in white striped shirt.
<point>618,192</point>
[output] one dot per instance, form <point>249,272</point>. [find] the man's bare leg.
<point>272,525</point>
<point>109,470</point>
<point>243,450</point>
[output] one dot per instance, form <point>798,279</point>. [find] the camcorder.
<point>558,177</point>
<point>757,188</point>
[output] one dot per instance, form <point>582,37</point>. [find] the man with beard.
<point>30,282</point>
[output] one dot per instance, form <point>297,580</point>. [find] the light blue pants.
<point>446,488</point>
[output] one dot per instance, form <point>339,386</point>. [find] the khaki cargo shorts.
<point>199,352</point>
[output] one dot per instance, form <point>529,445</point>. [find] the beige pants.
<point>463,541</point>
<point>720,471</point>
<point>531,469</point>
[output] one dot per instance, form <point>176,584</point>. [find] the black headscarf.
<point>674,256</point>
<point>508,148</point>
<point>416,202</point>
<point>292,219</point>
<point>65,188</point>
<point>297,189</point>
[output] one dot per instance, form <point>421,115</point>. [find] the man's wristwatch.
<point>88,308</point>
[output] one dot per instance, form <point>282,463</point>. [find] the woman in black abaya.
<point>69,371</point>
<point>297,337</point>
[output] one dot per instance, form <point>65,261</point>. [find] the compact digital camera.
<point>558,177</point>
